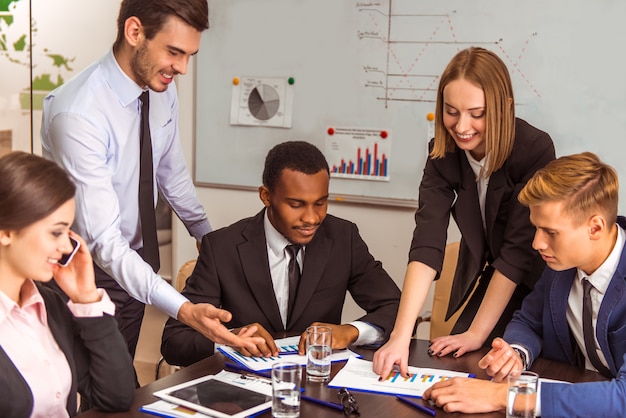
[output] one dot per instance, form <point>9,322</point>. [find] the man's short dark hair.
<point>298,156</point>
<point>154,13</point>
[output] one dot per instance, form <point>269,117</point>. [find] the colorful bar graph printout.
<point>359,153</point>
<point>286,353</point>
<point>357,374</point>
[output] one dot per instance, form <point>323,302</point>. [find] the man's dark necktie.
<point>588,331</point>
<point>147,215</point>
<point>293,271</point>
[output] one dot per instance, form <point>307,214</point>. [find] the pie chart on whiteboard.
<point>263,102</point>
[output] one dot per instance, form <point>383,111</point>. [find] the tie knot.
<point>145,97</point>
<point>293,249</point>
<point>587,286</point>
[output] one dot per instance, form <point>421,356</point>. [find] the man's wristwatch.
<point>522,355</point>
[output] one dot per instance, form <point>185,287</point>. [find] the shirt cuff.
<point>90,310</point>
<point>168,299</point>
<point>200,230</point>
<point>368,334</point>
<point>538,403</point>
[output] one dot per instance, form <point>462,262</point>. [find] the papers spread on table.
<point>225,395</point>
<point>357,374</point>
<point>287,344</point>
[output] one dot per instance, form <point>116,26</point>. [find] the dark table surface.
<point>370,405</point>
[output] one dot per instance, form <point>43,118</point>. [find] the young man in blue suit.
<point>245,267</point>
<point>573,204</point>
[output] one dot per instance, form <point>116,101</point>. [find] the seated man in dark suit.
<point>577,312</point>
<point>245,268</point>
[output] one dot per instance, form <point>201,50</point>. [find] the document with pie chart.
<point>262,101</point>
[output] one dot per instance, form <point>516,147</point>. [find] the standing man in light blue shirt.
<point>91,127</point>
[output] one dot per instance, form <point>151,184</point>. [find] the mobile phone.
<point>66,258</point>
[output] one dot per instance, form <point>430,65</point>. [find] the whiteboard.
<point>376,64</point>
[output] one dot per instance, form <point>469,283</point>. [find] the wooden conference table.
<point>370,405</point>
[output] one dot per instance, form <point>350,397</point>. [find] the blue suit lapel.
<point>612,297</point>
<point>559,292</point>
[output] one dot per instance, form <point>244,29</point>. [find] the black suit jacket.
<point>233,273</point>
<point>449,187</point>
<point>102,370</point>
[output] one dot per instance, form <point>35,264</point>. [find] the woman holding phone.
<point>51,350</point>
<point>480,159</point>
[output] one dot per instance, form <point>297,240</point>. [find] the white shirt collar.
<point>276,242</point>
<point>603,274</point>
<point>478,167</point>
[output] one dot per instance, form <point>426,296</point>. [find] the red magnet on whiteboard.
<point>383,134</point>
<point>430,117</point>
<point>236,81</point>
<point>331,131</point>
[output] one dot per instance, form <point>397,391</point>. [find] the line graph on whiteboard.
<point>416,42</point>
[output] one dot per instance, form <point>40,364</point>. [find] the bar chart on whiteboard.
<point>358,153</point>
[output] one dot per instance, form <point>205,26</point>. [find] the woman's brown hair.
<point>31,189</point>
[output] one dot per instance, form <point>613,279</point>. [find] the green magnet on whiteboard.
<point>291,80</point>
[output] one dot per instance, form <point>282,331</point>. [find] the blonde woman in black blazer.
<point>479,160</point>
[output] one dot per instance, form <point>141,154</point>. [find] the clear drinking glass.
<point>286,381</point>
<point>318,349</point>
<point>522,394</point>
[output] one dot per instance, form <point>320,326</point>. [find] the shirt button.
<point>58,395</point>
<point>46,363</point>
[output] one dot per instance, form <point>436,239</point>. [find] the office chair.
<point>181,278</point>
<point>438,325</point>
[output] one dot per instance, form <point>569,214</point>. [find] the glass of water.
<point>286,381</point>
<point>319,343</point>
<point>522,395</point>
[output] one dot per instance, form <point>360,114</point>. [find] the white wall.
<point>386,230</point>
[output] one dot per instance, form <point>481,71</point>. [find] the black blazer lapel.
<point>472,248</point>
<point>467,210</point>
<point>15,390</point>
<point>495,192</point>
<point>255,265</point>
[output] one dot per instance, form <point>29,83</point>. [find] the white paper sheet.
<point>265,363</point>
<point>357,374</point>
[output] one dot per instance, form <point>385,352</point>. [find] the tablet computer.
<point>225,395</point>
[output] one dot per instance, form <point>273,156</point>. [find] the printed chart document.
<point>357,374</point>
<point>286,346</point>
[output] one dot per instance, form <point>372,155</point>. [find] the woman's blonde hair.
<point>486,70</point>
<point>582,181</point>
